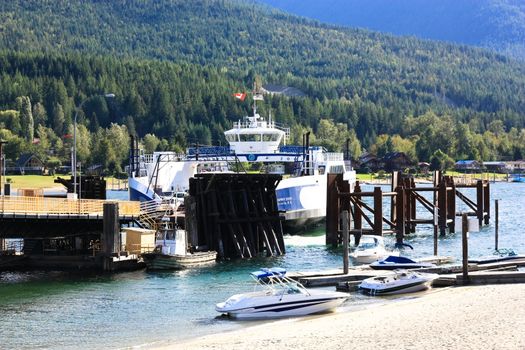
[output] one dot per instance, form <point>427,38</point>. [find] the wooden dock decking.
<point>450,275</point>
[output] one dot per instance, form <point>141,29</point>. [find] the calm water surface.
<point>63,310</point>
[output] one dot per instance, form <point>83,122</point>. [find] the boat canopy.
<point>398,260</point>
<point>271,272</point>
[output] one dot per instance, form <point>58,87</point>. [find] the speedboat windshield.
<point>275,281</point>
<point>367,245</point>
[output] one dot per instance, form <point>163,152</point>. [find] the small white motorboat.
<point>401,281</point>
<point>171,252</point>
<point>370,249</point>
<point>399,262</point>
<point>276,295</point>
<point>497,256</point>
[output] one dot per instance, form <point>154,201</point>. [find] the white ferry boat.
<point>301,194</point>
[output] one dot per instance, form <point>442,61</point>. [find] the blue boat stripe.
<point>393,289</point>
<point>286,306</point>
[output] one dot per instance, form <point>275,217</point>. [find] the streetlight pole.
<point>74,149</point>
<point>2,165</point>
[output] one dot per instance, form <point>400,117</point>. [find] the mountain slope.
<point>366,80</point>
<point>495,24</point>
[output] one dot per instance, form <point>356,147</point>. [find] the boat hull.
<point>366,257</point>
<point>159,261</point>
<point>396,262</point>
<point>398,283</point>
<point>402,289</point>
<point>494,259</point>
<point>285,308</point>
<point>302,201</point>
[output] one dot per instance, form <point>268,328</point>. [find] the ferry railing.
<point>152,211</point>
<point>333,157</point>
<point>138,248</point>
<point>147,158</point>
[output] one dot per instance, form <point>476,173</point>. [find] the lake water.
<point>64,310</point>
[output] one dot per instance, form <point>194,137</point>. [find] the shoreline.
<point>472,317</point>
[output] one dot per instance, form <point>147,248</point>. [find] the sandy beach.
<point>475,317</point>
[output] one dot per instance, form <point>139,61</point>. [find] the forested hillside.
<point>173,66</point>
<point>495,24</point>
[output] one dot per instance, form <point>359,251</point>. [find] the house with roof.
<point>515,166</point>
<point>495,167</point>
<point>368,162</point>
<point>424,167</point>
<point>467,165</point>
<point>396,161</point>
<point>27,164</point>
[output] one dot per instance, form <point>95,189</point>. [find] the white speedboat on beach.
<point>276,295</point>
<point>371,248</point>
<point>399,282</point>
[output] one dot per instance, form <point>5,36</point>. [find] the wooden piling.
<point>378,211</point>
<point>332,210</point>
<point>464,244</point>
<point>442,205</point>
<point>394,184</point>
<point>435,226</point>
<point>400,219</point>
<point>496,213</point>
<point>358,216</point>
<point>413,211</point>
<point>346,222</point>
<point>479,202</point>
<point>486,202</point>
<point>451,204</point>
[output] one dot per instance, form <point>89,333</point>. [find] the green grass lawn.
<point>31,181</point>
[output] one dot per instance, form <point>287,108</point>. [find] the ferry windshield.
<point>270,137</point>
<point>231,138</point>
<point>250,137</point>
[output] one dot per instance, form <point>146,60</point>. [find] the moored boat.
<point>171,253</point>
<point>276,295</point>
<point>399,282</point>
<point>159,261</point>
<point>497,256</point>
<point>371,248</point>
<point>393,262</point>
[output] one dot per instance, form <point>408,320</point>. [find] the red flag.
<point>240,95</point>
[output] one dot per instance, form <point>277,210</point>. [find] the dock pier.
<point>46,233</point>
<point>404,196</point>
<point>236,214</point>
